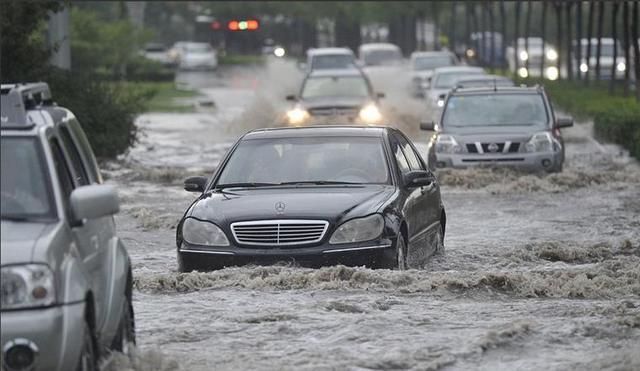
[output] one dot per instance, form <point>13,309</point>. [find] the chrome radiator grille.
<point>282,232</point>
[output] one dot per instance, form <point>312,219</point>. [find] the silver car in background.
<point>193,56</point>
<point>66,277</point>
<point>513,126</point>
<point>444,79</point>
<point>422,65</point>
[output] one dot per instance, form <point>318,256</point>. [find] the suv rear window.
<point>25,190</point>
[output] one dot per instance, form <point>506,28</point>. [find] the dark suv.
<point>513,126</point>
<point>66,276</point>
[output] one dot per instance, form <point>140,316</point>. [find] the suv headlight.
<point>197,232</point>
<point>297,116</point>
<point>370,114</point>
<point>27,286</point>
<point>447,144</point>
<point>358,230</point>
<point>541,142</point>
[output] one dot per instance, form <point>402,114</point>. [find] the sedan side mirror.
<point>427,126</point>
<point>291,98</point>
<point>418,178</point>
<point>564,122</point>
<point>195,184</point>
<point>94,201</point>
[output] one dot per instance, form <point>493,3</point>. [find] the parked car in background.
<point>422,65</point>
<point>66,276</point>
<point>585,67</point>
<point>315,195</point>
<point>329,59</point>
<point>158,53</point>
<point>506,126</point>
<point>343,96</point>
<point>444,79</point>
<point>380,54</point>
<point>533,57</point>
<point>192,56</point>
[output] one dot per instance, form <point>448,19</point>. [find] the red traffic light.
<point>243,25</point>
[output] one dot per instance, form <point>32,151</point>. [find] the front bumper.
<point>539,161</point>
<point>363,253</point>
<point>57,332</point>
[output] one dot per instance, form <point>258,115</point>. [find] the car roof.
<point>342,72</point>
<point>461,69</point>
<point>372,46</point>
<point>431,54</point>
<point>18,99</point>
<point>318,131</point>
<point>329,51</point>
<point>498,90</point>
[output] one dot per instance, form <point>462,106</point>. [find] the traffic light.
<point>243,25</point>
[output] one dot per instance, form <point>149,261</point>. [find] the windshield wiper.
<point>317,182</point>
<point>244,185</point>
<point>14,218</point>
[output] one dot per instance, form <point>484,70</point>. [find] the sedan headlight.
<point>552,54</point>
<point>197,232</point>
<point>447,144</point>
<point>524,55</point>
<point>621,67</point>
<point>541,142</point>
<point>297,116</point>
<point>358,230</point>
<point>370,114</point>
<point>27,286</point>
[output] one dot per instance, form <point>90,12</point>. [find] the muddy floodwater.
<point>540,271</point>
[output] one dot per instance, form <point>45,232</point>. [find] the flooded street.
<point>540,271</point>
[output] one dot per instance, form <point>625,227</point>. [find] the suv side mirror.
<point>418,178</point>
<point>291,98</point>
<point>94,201</point>
<point>195,184</point>
<point>564,122</point>
<point>427,126</point>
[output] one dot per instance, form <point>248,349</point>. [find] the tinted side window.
<point>401,160</point>
<point>80,174</point>
<point>64,174</point>
<point>412,157</point>
<point>85,148</point>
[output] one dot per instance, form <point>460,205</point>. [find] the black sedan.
<point>314,195</point>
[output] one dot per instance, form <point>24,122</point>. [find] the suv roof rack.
<point>18,98</point>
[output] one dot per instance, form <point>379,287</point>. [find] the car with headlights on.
<point>196,55</point>
<point>444,79</point>
<point>422,65</point>
<point>66,276</point>
<point>507,126</point>
<point>343,96</point>
<point>314,195</point>
<point>532,57</point>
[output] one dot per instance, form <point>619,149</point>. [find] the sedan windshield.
<point>447,80</point>
<point>307,160</point>
<point>429,63</point>
<point>349,86</point>
<point>495,110</point>
<point>25,187</point>
<point>336,61</point>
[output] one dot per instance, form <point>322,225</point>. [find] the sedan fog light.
<point>359,230</point>
<point>370,114</point>
<point>297,116</point>
<point>279,52</point>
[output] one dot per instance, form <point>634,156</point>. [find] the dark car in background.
<point>338,96</point>
<point>318,195</point>
<point>514,126</point>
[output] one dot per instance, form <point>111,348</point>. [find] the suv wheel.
<point>125,339</point>
<point>88,357</point>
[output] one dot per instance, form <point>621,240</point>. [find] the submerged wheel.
<point>438,249</point>
<point>88,357</point>
<point>125,339</point>
<point>395,258</point>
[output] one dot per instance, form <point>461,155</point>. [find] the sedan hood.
<point>334,102</point>
<point>19,240</point>
<point>331,203</point>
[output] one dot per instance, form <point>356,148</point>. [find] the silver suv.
<point>513,126</point>
<point>66,277</point>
